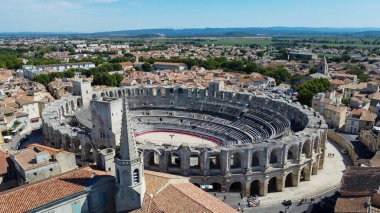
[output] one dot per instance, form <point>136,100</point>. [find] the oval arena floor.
<point>175,139</point>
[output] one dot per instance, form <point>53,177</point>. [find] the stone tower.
<point>323,67</point>
<point>129,169</point>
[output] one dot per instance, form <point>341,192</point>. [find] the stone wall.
<point>344,144</point>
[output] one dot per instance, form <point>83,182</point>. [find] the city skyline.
<point>112,15</point>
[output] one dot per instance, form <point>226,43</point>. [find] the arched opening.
<point>88,151</point>
<point>163,91</point>
<point>101,147</point>
<point>306,148</point>
<point>255,188</point>
<point>275,156</point>
<point>72,106</point>
<point>235,161</point>
<point>58,144</point>
<point>215,161</point>
<point>77,146</point>
<point>153,159</point>
<point>119,93</point>
<point>180,91</point>
<point>174,160</point>
<point>256,159</point>
<point>316,144</point>
<point>68,146</point>
<point>194,161</point>
<point>292,152</point>
<point>67,108</point>
<point>289,180</point>
<point>216,187</point>
<point>79,103</point>
<point>136,176</point>
<point>272,185</point>
<point>303,175</point>
<point>235,187</point>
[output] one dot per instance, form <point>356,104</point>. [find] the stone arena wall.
<point>253,167</point>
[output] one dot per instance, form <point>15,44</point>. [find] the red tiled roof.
<point>38,194</point>
<point>186,197</point>
<point>351,204</point>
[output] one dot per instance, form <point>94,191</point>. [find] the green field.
<point>285,41</point>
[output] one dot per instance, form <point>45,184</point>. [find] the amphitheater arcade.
<point>264,143</point>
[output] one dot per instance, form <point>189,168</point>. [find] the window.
<point>136,178</point>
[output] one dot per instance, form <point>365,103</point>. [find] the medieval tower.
<point>129,164</point>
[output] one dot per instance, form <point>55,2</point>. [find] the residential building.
<point>359,190</point>
<point>7,171</point>
<point>359,119</point>
<point>80,190</point>
<point>30,71</point>
<point>258,81</point>
<point>322,100</point>
<point>370,138</point>
<point>170,66</point>
<point>335,116</point>
<point>32,108</point>
<point>375,101</point>
<point>39,162</point>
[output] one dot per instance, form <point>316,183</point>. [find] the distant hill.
<point>219,32</point>
<point>236,32</point>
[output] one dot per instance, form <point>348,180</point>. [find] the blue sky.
<point>109,15</point>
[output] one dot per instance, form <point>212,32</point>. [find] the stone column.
<point>308,173</point>
<point>163,166</point>
<point>264,187</point>
<point>296,177</point>
<point>315,166</point>
<point>265,159</point>
<point>185,164</point>
<point>204,162</point>
<point>247,187</point>
<point>280,183</point>
<point>225,162</point>
<point>247,161</point>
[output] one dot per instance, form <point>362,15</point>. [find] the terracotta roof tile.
<point>186,197</point>
<point>351,204</point>
<point>35,195</point>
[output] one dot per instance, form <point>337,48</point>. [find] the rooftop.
<point>31,196</point>
<point>360,180</point>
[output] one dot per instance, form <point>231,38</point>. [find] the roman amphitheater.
<point>234,141</point>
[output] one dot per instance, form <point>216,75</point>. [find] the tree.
<point>345,101</point>
<point>251,67</point>
<point>310,88</point>
<point>146,67</point>
<point>42,79</point>
<point>359,71</point>
<point>313,70</point>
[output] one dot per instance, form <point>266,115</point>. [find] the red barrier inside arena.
<point>214,140</point>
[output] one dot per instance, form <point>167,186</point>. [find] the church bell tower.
<point>129,165</point>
